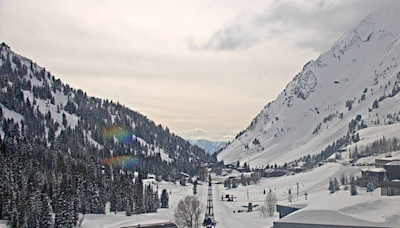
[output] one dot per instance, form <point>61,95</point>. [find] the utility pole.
<point>209,220</point>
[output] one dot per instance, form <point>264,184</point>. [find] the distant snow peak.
<point>208,146</point>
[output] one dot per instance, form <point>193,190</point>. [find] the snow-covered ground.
<point>364,209</point>
<point>111,220</point>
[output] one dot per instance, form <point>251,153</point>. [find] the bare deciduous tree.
<point>270,203</point>
<point>188,212</point>
<point>263,211</point>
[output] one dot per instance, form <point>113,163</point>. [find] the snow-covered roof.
<point>387,159</point>
<point>374,170</point>
<point>326,218</point>
<point>394,163</point>
<point>298,206</point>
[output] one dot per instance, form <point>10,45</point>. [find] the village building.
<point>273,173</point>
<point>392,170</point>
<point>154,225</point>
<point>285,210</point>
<point>372,175</point>
<point>390,188</point>
<point>380,162</point>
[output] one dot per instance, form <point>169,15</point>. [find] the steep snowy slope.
<point>359,75</point>
<point>36,106</point>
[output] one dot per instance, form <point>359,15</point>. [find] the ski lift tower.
<point>209,220</point>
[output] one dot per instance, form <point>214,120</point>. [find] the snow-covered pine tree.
<point>138,198</point>
<point>371,185</point>
<point>164,199</point>
<point>129,196</point>
<point>94,202</point>
<point>234,184</point>
<point>129,207</point>
<point>242,180</point>
<point>195,187</point>
<point>343,180</point>
<point>64,213</point>
<point>33,204</point>
<point>147,199</point>
<point>156,199</point>
<point>182,181</point>
<point>331,187</point>
<point>336,185</point>
<point>353,187</point>
<point>46,213</point>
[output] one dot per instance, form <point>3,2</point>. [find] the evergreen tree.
<point>64,213</point>
<point>353,188</point>
<point>331,186</point>
<point>336,185</point>
<point>343,180</point>
<point>195,187</point>
<point>156,199</point>
<point>234,184</point>
<point>164,199</point>
<point>182,181</point>
<point>129,203</point>
<point>46,213</point>
<point>138,198</point>
<point>243,180</point>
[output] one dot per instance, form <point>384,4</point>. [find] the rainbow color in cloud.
<point>122,135</point>
<point>125,162</point>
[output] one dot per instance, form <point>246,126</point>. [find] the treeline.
<point>254,178</point>
<point>377,147</point>
<point>38,182</point>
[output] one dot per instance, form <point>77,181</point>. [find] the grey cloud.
<point>230,38</point>
<point>320,23</point>
<point>316,24</point>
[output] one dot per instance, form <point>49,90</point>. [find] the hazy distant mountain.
<point>209,146</point>
<point>348,90</point>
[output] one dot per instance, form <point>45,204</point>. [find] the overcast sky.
<point>203,68</point>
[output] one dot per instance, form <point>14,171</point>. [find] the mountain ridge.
<point>45,108</point>
<point>361,67</point>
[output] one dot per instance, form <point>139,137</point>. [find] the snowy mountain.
<point>208,146</point>
<point>352,86</point>
<point>36,105</point>
<point>72,154</point>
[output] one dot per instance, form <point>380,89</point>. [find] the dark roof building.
<point>392,170</point>
<point>375,175</point>
<point>154,225</point>
<point>273,173</point>
<point>390,188</point>
<point>284,210</point>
